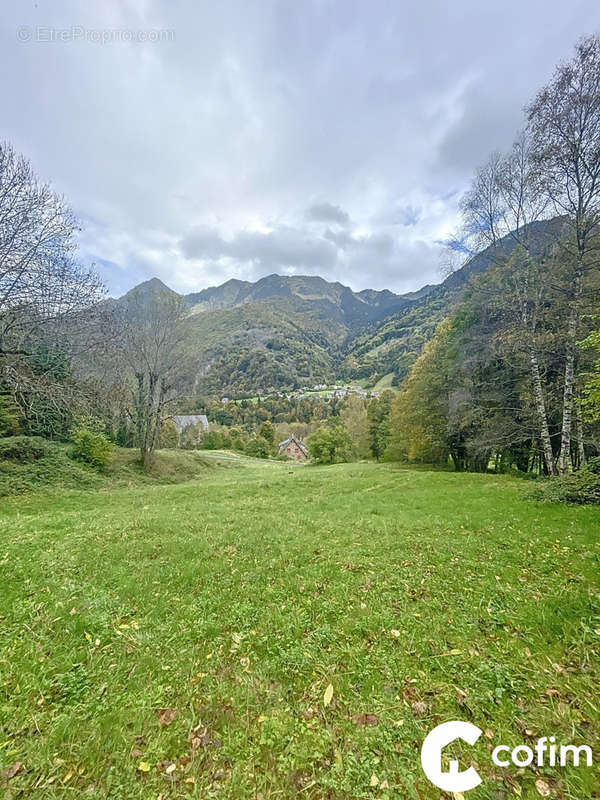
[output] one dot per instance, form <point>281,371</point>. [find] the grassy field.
<point>174,641</point>
<point>384,383</point>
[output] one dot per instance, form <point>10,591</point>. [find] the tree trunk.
<point>581,459</point>
<point>540,407</point>
<point>571,349</point>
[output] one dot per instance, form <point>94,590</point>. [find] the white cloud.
<point>331,138</point>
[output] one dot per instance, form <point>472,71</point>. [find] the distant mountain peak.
<point>151,285</point>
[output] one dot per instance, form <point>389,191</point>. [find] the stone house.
<point>293,448</point>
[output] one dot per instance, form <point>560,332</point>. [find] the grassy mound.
<point>30,464</point>
<point>51,468</point>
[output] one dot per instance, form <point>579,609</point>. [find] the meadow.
<point>274,631</point>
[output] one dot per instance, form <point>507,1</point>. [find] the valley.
<point>284,332</point>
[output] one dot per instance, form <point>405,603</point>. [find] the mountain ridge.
<point>282,332</point>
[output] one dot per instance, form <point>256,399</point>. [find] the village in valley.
<point>219,429</point>
<point>320,389</point>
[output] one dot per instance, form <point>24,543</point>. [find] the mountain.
<point>279,332</point>
<point>392,346</point>
<point>356,309</point>
<point>284,332</point>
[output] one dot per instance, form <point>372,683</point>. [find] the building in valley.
<point>293,448</point>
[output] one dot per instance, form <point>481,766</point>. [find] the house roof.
<point>182,421</point>
<point>292,438</point>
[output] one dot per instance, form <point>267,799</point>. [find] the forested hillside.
<point>286,332</point>
<point>281,332</point>
<point>393,345</point>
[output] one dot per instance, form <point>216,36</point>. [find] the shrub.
<point>267,431</point>
<point>93,447</point>
<point>331,445</point>
<point>237,443</point>
<point>10,416</point>
<point>212,440</point>
<point>169,437</point>
<point>580,487</point>
<point>258,447</point>
<point>593,465</point>
<point>23,448</point>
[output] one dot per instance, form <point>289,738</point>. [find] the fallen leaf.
<point>166,716</point>
<point>171,769</point>
<point>396,634</point>
<point>542,787</point>
<point>419,708</point>
<point>365,719</point>
<point>328,696</point>
<point>144,766</point>
<point>374,780</point>
<point>458,796</point>
<point>12,771</point>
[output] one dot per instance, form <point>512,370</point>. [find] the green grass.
<point>59,471</point>
<point>236,600</point>
<point>384,383</point>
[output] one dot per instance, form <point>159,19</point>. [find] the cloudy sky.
<point>200,141</point>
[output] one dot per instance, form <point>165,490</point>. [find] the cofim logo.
<point>545,753</point>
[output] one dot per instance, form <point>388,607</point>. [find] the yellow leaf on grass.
<point>144,766</point>
<point>328,696</point>
<point>374,780</point>
<point>542,787</point>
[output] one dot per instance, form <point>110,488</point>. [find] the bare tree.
<point>564,122</point>
<point>481,206</point>
<point>41,283</point>
<point>49,302</point>
<point>153,329</point>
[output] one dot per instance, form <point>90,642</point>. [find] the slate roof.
<point>301,445</point>
<point>181,421</point>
